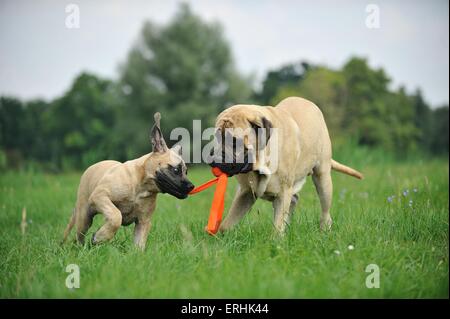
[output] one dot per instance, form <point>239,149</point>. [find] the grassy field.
<point>407,238</point>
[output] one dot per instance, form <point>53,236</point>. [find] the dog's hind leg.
<point>241,204</point>
<point>324,187</point>
<point>69,227</point>
<point>83,222</point>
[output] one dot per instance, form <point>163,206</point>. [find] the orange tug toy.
<point>216,212</point>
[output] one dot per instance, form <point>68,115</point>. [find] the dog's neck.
<point>146,181</point>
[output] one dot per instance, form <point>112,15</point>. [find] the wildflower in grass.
<point>337,252</point>
<point>406,192</point>
<point>351,247</point>
<point>415,190</point>
<point>342,193</point>
<point>410,203</point>
<point>390,198</point>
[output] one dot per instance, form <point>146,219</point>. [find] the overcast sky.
<point>39,56</point>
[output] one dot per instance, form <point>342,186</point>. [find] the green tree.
<point>357,103</point>
<point>440,133</point>
<point>326,88</point>
<point>184,70</point>
<point>33,131</point>
<point>422,120</point>
<point>288,75</point>
<point>398,122</point>
<point>21,133</point>
<point>367,89</point>
<point>12,141</point>
<point>78,124</point>
<point>11,115</point>
<point>377,116</point>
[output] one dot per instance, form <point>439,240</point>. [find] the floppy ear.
<point>158,142</point>
<point>177,149</point>
<point>262,127</point>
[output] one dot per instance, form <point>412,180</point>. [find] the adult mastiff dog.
<point>304,148</point>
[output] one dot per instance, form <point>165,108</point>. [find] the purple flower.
<point>405,192</point>
<point>390,198</point>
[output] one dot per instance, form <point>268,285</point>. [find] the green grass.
<point>409,244</point>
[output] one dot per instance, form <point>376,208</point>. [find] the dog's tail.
<point>345,169</point>
<point>69,227</point>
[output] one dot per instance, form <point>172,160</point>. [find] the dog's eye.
<point>176,170</point>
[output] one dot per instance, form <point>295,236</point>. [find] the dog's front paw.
<point>222,229</point>
<point>93,242</point>
<point>325,224</point>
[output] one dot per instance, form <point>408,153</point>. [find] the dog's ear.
<point>158,142</point>
<point>178,149</point>
<point>262,127</point>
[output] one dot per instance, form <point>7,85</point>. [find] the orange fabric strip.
<point>218,203</point>
<point>217,206</point>
<point>203,186</point>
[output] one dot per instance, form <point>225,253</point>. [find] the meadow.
<point>396,218</point>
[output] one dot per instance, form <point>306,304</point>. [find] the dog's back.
<point>94,174</point>
<point>314,137</point>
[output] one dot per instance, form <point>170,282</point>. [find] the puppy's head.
<point>241,132</point>
<point>166,165</point>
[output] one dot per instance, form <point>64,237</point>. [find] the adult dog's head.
<point>241,132</point>
<point>166,166</point>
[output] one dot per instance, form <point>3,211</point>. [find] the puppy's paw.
<point>278,235</point>
<point>93,242</point>
<point>222,228</point>
<point>325,224</point>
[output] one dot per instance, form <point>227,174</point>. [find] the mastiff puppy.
<point>300,147</point>
<point>125,193</point>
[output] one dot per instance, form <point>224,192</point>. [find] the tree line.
<point>186,71</point>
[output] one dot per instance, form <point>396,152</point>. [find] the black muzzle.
<point>172,184</point>
<point>233,167</point>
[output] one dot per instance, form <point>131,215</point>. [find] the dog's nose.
<point>190,186</point>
